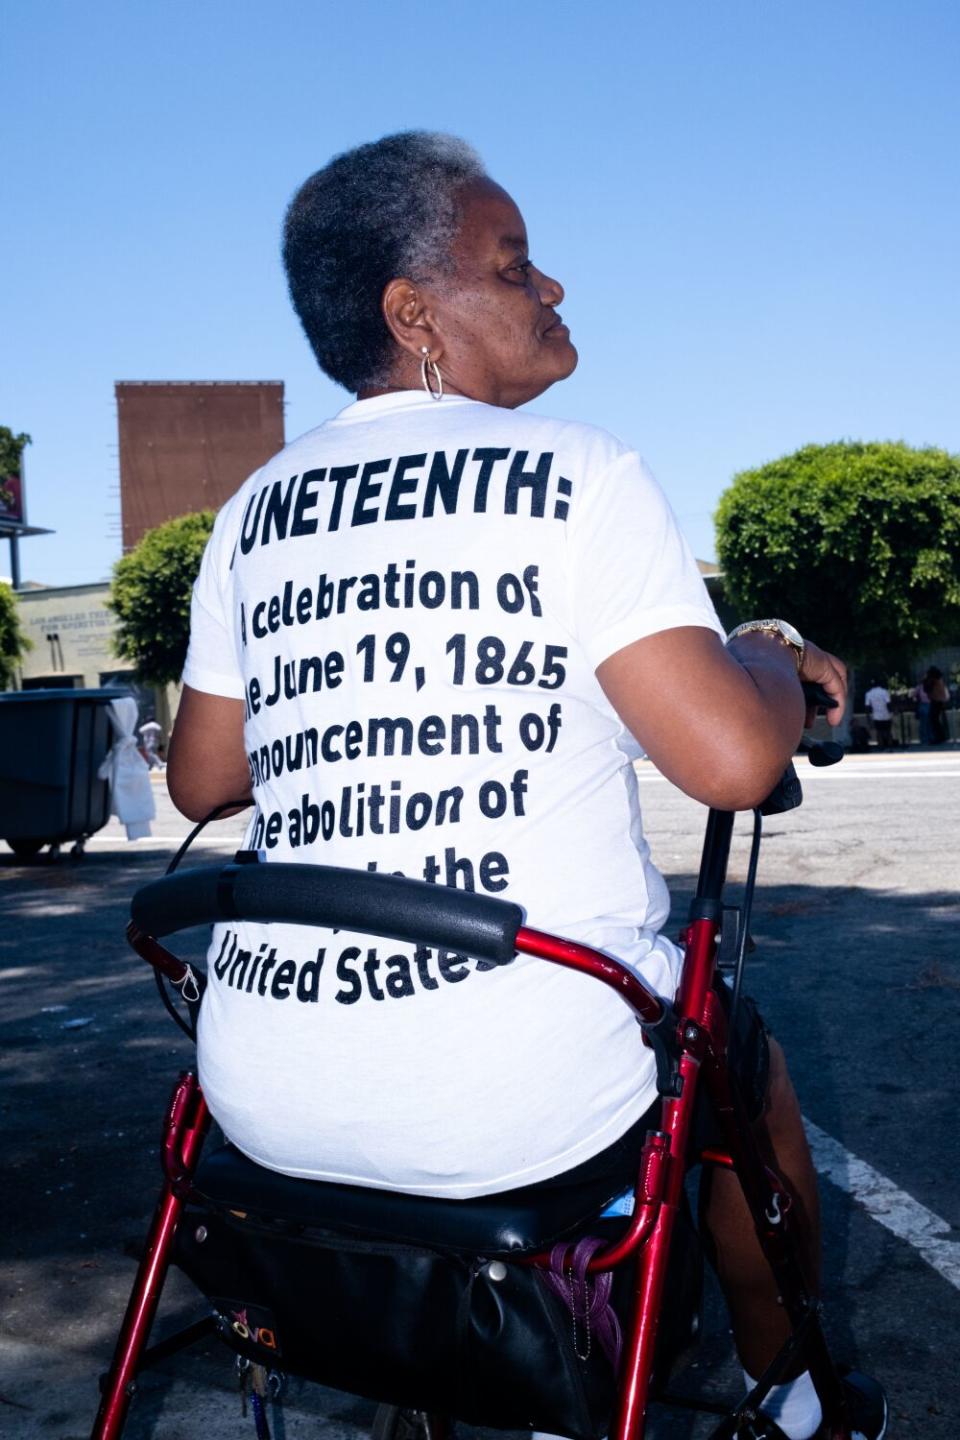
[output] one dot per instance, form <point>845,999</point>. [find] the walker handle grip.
<point>385,905</point>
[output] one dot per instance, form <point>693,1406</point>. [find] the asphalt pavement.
<point>857,969</point>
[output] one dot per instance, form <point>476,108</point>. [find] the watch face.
<point>789,633</point>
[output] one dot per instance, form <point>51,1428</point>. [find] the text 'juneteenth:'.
<point>411,487</point>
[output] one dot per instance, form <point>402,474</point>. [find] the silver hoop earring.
<point>425,377</point>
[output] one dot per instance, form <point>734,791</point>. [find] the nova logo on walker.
<point>252,1323</point>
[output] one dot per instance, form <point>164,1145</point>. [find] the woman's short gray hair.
<point>384,210</point>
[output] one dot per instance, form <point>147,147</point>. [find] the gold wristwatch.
<point>781,628</point>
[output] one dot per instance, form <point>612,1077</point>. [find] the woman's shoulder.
<point>469,424</point>
<point>590,445</point>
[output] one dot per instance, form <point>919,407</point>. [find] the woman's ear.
<point>408,319</point>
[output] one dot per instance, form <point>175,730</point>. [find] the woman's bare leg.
<point>760,1324</point>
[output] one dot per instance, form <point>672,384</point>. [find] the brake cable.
<point>743,936</point>
<point>189,1028</point>
<point>819,753</point>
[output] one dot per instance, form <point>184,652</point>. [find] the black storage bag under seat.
<point>409,1326</point>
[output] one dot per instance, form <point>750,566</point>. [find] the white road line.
<point>883,1201</point>
<point>806,774</point>
<point>897,757</point>
<point>151,842</point>
<point>899,762</point>
<point>884,774</point>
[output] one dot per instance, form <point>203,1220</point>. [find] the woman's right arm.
<point>720,721</point>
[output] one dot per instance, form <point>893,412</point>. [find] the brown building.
<point>189,445</point>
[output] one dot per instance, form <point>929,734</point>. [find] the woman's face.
<point>498,336</point>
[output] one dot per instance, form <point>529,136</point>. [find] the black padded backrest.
<point>386,905</point>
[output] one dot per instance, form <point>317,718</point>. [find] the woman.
<point>922,699</point>
<point>435,633</point>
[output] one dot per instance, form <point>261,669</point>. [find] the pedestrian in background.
<point>923,712</point>
<point>877,701</point>
<point>151,735</point>
<point>939,697</point>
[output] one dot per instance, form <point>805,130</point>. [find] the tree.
<point>150,596</point>
<point>858,544</point>
<point>14,644</point>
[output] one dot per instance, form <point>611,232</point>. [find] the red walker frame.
<point>699,1042</point>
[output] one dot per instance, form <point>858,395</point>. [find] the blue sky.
<point>753,205</point>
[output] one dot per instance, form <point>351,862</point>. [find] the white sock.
<point>795,1406</point>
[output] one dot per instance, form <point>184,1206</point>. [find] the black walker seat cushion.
<point>515,1222</point>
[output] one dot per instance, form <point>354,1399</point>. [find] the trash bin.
<point>52,743</point>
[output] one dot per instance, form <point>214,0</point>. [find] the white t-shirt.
<point>877,702</point>
<point>412,601</point>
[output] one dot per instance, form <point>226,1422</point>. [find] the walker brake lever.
<point>816,695</point>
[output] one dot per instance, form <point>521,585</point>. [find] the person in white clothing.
<point>151,734</point>
<point>877,701</point>
<point>431,636</point>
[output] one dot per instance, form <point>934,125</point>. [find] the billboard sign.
<point>11,499</point>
